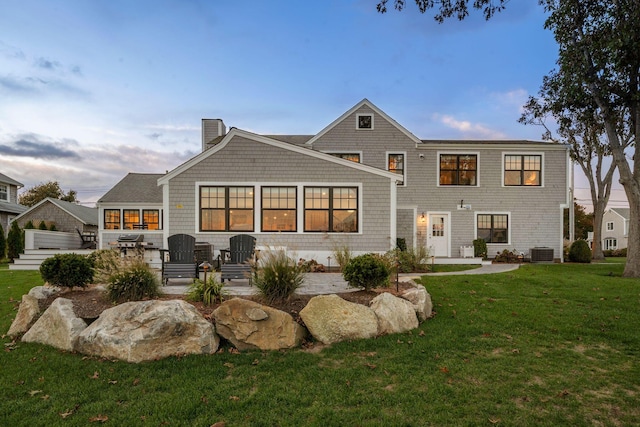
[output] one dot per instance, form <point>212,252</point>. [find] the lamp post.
<point>205,266</point>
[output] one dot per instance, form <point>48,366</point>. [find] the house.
<point>615,228</point>
<point>362,182</point>
<point>65,216</point>
<point>9,206</point>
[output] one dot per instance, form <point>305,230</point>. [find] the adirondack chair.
<point>88,240</point>
<point>182,259</point>
<point>240,252</point>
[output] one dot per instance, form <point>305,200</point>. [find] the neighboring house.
<point>9,207</point>
<point>615,228</point>
<point>361,182</point>
<point>66,216</point>
<point>132,206</point>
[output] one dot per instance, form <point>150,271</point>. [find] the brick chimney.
<point>211,129</point>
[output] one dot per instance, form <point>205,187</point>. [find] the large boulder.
<point>331,319</point>
<point>249,325</point>
<point>28,312</point>
<point>421,301</point>
<point>394,314</point>
<point>149,330</point>
<point>58,326</point>
<point>43,292</point>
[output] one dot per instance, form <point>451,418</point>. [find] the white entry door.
<point>438,235</point>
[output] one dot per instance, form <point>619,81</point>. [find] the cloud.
<point>32,146</point>
<point>469,129</point>
<point>11,52</point>
<point>47,64</point>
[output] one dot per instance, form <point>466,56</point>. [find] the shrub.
<point>52,227</point>
<point>508,256</point>
<point>480,248</point>
<point>401,244</point>
<point>208,292</point>
<point>3,243</point>
<point>580,252</point>
<point>106,262</point>
<point>135,282</point>
<point>29,225</point>
<point>367,271</point>
<point>42,226</point>
<point>279,275</point>
<point>67,270</point>
<point>410,261</point>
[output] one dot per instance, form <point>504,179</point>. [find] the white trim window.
<point>458,169</point>
<point>522,170</point>
<point>396,163</point>
<point>610,226</point>
<point>364,121</point>
<point>226,208</point>
<point>493,227</point>
<point>610,244</point>
<point>351,156</point>
<point>331,209</point>
<point>4,193</point>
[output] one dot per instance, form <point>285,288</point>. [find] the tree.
<point>40,192</point>
<point>583,222</point>
<point>582,128</point>
<point>599,63</point>
<point>448,8</point>
<point>14,241</point>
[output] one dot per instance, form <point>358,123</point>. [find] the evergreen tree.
<point>42,226</point>
<point>14,241</point>
<point>3,243</point>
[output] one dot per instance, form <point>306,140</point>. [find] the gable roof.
<point>135,188</point>
<point>5,179</point>
<point>356,107</point>
<point>307,151</point>
<point>84,214</point>
<point>623,212</point>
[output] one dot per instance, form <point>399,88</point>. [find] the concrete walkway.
<point>325,283</point>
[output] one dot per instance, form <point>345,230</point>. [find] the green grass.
<point>445,268</point>
<point>543,345</point>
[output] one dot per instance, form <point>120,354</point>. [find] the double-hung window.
<point>112,219</point>
<point>395,164</point>
<point>458,169</point>
<point>610,226</point>
<point>226,208</point>
<point>332,209</point>
<point>522,170</point>
<point>279,209</point>
<point>493,228</point>
<point>4,193</point>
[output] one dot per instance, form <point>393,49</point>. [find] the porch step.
<point>32,258</point>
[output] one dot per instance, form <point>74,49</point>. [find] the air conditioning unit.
<point>541,254</point>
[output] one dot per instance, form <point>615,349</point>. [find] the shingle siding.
<point>243,161</point>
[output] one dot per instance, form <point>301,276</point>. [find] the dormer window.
<point>364,121</point>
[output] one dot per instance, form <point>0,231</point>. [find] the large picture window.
<point>395,164</point>
<point>458,169</point>
<point>522,170</point>
<point>279,209</point>
<point>112,219</point>
<point>4,192</point>
<point>226,208</point>
<point>332,209</point>
<point>493,228</point>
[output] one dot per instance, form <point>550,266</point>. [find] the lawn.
<point>543,345</point>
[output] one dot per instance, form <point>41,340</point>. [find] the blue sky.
<point>92,90</point>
